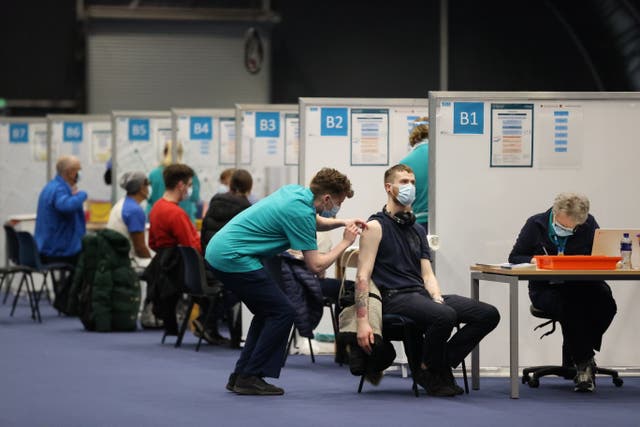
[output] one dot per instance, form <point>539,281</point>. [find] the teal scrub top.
<point>285,219</point>
<point>418,160</point>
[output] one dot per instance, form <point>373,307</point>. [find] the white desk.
<point>511,278</point>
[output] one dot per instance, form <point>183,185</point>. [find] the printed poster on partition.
<point>369,136</point>
<point>559,140</point>
<point>511,135</point>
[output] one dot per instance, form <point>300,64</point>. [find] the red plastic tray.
<point>577,262</point>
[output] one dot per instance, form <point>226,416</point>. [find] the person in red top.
<point>169,224</point>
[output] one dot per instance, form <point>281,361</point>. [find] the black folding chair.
<point>195,285</point>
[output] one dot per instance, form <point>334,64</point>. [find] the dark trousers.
<point>266,342</point>
<point>438,320</point>
<point>61,279</point>
<point>585,311</point>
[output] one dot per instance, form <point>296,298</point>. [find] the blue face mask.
<point>562,231</point>
<point>406,194</point>
<point>331,213</point>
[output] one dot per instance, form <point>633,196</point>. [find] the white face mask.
<point>406,194</point>
<point>189,193</point>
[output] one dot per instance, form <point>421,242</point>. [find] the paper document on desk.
<point>508,265</point>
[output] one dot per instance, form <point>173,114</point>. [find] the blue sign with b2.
<point>333,122</point>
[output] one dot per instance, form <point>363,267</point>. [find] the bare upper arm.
<point>369,242</point>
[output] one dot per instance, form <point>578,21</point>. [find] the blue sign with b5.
<point>139,130</point>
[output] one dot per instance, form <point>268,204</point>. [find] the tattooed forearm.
<point>361,301</point>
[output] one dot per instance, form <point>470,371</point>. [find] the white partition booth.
<point>23,167</point>
<point>208,140</point>
<point>138,139</point>
<point>267,145</point>
<point>361,138</point>
<point>498,158</point>
<point>87,137</point>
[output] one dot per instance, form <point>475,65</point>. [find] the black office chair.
<point>194,285</point>
<point>532,375</point>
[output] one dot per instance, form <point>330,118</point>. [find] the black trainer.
<point>232,381</point>
<point>584,379</point>
<point>435,383</point>
<point>253,385</point>
<point>452,381</point>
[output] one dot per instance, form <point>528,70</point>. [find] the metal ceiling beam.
<point>157,13</point>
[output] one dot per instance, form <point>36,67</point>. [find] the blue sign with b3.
<point>18,133</point>
<point>333,122</point>
<point>200,128</point>
<point>267,125</point>
<point>72,132</point>
<point>468,118</point>
<point>139,130</point>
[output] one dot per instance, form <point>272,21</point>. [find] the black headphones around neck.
<point>403,218</point>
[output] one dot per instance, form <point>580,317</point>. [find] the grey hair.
<point>132,182</point>
<point>574,205</point>
<point>65,162</point>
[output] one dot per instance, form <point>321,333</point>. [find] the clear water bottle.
<point>625,251</point>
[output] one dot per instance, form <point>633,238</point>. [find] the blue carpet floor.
<point>57,374</point>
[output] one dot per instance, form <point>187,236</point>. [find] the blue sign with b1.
<point>18,133</point>
<point>468,118</point>
<point>333,122</point>
<point>268,125</point>
<point>200,128</point>
<point>139,130</point>
<point>72,132</point>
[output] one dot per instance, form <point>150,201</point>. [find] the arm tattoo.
<point>362,296</point>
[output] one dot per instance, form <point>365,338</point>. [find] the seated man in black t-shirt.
<point>394,253</point>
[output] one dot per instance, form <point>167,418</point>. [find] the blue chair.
<point>11,269</point>
<point>29,261</point>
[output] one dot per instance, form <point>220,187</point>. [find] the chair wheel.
<point>526,378</point>
<point>534,383</point>
<point>617,381</point>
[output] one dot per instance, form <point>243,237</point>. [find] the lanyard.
<point>560,242</point>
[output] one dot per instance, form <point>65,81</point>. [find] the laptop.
<point>607,242</point>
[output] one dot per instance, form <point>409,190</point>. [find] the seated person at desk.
<point>585,310</point>
<point>394,253</point>
<point>128,218</point>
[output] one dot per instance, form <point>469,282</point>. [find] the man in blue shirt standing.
<point>288,218</point>
<point>60,222</point>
